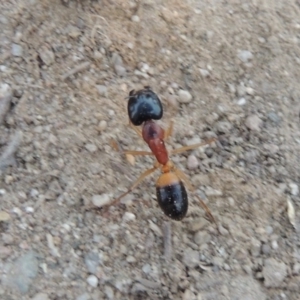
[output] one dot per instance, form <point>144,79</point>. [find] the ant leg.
<point>136,130</point>
<point>134,152</point>
<point>207,210</point>
<point>183,177</point>
<point>136,183</point>
<point>191,147</point>
<point>169,131</point>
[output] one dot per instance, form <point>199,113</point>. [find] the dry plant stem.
<point>167,236</point>
<point>7,157</point>
<point>83,66</point>
<point>4,107</point>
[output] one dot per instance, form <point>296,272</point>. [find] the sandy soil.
<point>228,69</point>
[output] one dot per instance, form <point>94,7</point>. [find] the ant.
<point>144,107</point>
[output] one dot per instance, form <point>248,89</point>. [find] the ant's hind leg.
<point>191,147</point>
<point>135,152</point>
<point>169,131</point>
<point>136,183</point>
<point>184,178</point>
<point>139,133</point>
<point>207,210</point>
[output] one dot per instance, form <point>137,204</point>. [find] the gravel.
<point>245,56</point>
<point>92,280</point>
<point>65,74</point>
<point>101,200</point>
<point>16,50</point>
<point>184,96</point>
<point>254,123</point>
<point>274,273</point>
<point>20,274</point>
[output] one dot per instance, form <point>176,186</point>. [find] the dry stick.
<point>4,106</point>
<point>7,157</point>
<point>167,240</point>
<point>83,66</point>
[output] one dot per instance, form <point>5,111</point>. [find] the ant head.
<point>144,105</point>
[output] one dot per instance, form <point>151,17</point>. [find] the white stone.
<point>294,189</point>
<point>184,96</point>
<point>135,18</point>
<point>128,216</point>
<point>101,200</point>
<point>16,50</point>
<point>92,280</point>
<point>245,56</point>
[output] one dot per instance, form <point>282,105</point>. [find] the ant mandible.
<point>144,107</point>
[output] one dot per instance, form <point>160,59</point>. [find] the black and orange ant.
<point>144,107</point>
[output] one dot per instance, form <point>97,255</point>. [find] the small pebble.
<point>102,125</point>
<point>204,73</point>
<point>209,191</point>
<point>245,56</point>
<point>40,296</point>
<point>266,249</point>
<point>202,237</point>
<point>101,200</point>
<point>22,272</point>
<point>102,90</point>
<point>131,259</point>
<point>16,50</point>
<point>241,101</point>
<point>274,117</point>
<point>135,18</point>
<point>92,261</point>
<point>253,122</point>
<point>274,245</point>
<point>146,268</point>
<point>109,292</point>
<point>223,127</point>
<point>84,296</point>
<point>250,91</point>
<point>184,96</point>
<point>120,70</point>
<point>274,273</point>
<point>190,258</point>
<point>255,247</point>
<point>91,148</point>
<point>2,192</point>
<point>197,224</point>
<point>188,295</point>
<point>294,189</point>
<point>29,209</point>
<point>192,162</point>
<point>98,55</point>
<point>5,252</point>
<point>296,269</point>
<point>4,216</point>
<point>92,280</point>
<point>128,216</point>
<point>46,55</point>
<point>73,32</point>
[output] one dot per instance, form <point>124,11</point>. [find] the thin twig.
<point>167,235</point>
<point>83,66</point>
<point>4,106</point>
<point>7,157</point>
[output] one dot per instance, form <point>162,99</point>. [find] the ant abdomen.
<point>172,196</point>
<point>144,105</point>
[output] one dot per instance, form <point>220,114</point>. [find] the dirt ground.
<point>228,69</point>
